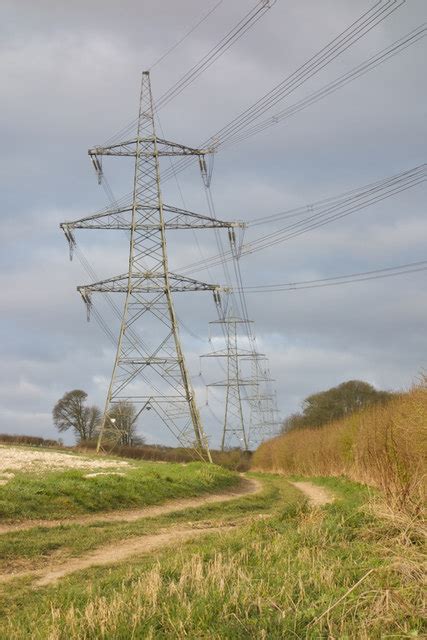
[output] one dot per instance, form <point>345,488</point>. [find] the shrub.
<point>383,446</point>
<point>235,459</point>
<point>28,440</point>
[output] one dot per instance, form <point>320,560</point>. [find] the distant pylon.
<point>235,431</point>
<point>264,420</point>
<point>264,415</point>
<point>257,402</point>
<point>149,368</point>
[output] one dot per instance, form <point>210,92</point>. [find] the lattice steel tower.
<point>264,414</point>
<point>149,368</point>
<point>257,402</point>
<point>235,430</point>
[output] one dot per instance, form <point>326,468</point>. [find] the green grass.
<point>267,579</point>
<point>59,494</point>
<point>30,548</point>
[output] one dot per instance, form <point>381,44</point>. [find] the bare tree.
<point>122,421</point>
<point>70,412</point>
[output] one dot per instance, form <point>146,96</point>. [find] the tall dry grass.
<point>383,446</point>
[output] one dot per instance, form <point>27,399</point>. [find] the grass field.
<point>284,570</point>
<point>52,485</point>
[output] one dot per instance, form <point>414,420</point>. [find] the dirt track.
<point>246,486</point>
<point>122,550</point>
<point>317,496</point>
<point>118,552</point>
<point>114,553</point>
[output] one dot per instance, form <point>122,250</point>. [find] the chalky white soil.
<point>14,459</point>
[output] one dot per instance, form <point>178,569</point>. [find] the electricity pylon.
<point>234,429</point>
<point>264,415</point>
<point>275,420</point>
<point>264,418</point>
<point>149,371</point>
<point>258,400</point>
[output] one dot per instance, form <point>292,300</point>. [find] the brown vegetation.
<point>383,446</point>
<point>234,459</point>
<point>34,441</point>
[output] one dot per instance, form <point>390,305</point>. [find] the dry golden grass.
<point>384,446</point>
<point>178,601</point>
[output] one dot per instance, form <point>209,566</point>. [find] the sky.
<point>71,74</point>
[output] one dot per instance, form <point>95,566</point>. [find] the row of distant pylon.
<point>149,367</point>
<point>252,386</point>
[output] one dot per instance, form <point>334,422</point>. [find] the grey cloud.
<point>72,72</point>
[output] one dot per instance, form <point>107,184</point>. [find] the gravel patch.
<point>17,459</point>
<point>104,473</point>
<point>5,477</point>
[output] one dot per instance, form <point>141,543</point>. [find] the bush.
<point>382,446</point>
<point>28,440</point>
<point>235,459</point>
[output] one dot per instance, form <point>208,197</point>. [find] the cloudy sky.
<point>70,79</point>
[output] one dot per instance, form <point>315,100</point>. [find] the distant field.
<point>50,484</point>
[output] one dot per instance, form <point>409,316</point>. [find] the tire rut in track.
<point>317,496</point>
<point>114,553</point>
<point>120,551</point>
<point>246,487</point>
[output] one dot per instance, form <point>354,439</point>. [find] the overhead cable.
<point>185,36</point>
<point>386,272</point>
<point>336,47</point>
<point>323,212</point>
<point>227,41</point>
<point>365,67</point>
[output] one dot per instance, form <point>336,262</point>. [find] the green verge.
<point>335,572</point>
<point>61,494</point>
<point>33,548</point>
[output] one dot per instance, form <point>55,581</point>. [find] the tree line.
<point>71,413</point>
<point>335,403</point>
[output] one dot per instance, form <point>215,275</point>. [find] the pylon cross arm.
<point>146,282</point>
<point>189,220</point>
<point>236,383</point>
<point>108,219</point>
<point>144,147</point>
<point>225,353</point>
<point>121,218</point>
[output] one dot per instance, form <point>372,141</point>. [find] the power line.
<point>246,23</point>
<point>332,214</point>
<point>360,70</point>
<point>368,65</point>
<point>227,41</point>
<point>185,36</point>
<point>359,28</point>
<point>346,196</point>
<point>323,212</point>
<point>386,272</point>
<point>336,47</point>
